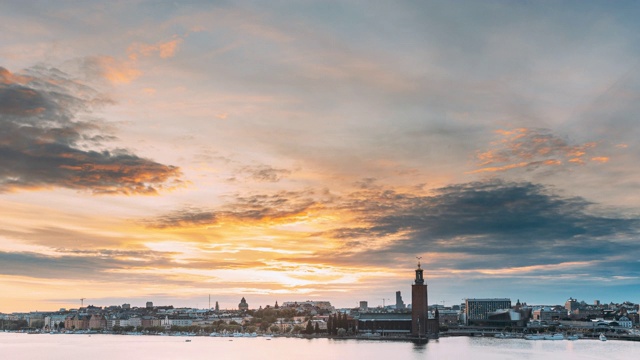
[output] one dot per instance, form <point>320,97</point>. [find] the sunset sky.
<point>310,150</point>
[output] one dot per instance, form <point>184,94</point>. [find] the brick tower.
<point>419,307</point>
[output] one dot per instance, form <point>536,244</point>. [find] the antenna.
<point>82,302</point>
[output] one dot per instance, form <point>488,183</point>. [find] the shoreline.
<point>610,337</point>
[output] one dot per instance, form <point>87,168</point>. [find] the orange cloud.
<point>112,69</point>
<point>8,78</point>
<point>531,148</point>
<point>164,50</point>
<point>500,168</point>
<point>600,159</point>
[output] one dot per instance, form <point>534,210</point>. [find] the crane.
<point>383,302</point>
<point>82,302</point>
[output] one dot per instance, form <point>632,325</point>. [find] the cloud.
<point>122,71</point>
<point>164,49</point>
<point>480,225</point>
<point>46,141</point>
<point>531,149</point>
<point>187,217</point>
<point>109,68</point>
<point>240,209</point>
<point>265,173</point>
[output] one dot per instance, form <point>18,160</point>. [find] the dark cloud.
<point>108,265</point>
<point>52,236</point>
<point>48,139</point>
<point>77,264</point>
<point>238,209</point>
<point>485,224</point>
<point>187,217</point>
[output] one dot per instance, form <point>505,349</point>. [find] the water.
<point>113,347</point>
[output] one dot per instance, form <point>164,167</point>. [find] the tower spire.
<point>419,277</point>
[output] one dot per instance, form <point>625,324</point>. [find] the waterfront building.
<point>135,321</point>
<point>385,323</point>
<point>150,321</point>
<point>504,318</point>
<point>478,309</point>
<point>53,321</point>
<point>181,322</point>
<point>449,317</point>
<point>625,322</point>
<point>548,314</point>
<point>76,322</point>
<point>97,322</point>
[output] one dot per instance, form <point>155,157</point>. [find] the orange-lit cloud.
<point>531,149</point>
<point>8,78</point>
<point>123,71</point>
<point>164,49</point>
<point>114,70</point>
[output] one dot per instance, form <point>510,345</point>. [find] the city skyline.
<point>161,151</point>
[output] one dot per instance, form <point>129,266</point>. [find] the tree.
<point>274,329</point>
<point>38,324</point>
<point>316,329</point>
<point>297,329</point>
<point>309,329</point>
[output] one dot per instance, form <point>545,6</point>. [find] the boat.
<point>573,337</point>
<point>556,336</point>
<point>188,340</point>
<point>602,337</point>
<point>534,337</point>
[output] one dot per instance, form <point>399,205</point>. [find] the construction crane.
<point>82,302</point>
<point>383,302</point>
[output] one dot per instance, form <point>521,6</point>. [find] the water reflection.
<point>109,347</point>
<point>419,347</point>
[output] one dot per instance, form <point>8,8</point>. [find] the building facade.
<point>479,309</point>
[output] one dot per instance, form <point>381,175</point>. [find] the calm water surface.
<point>113,347</point>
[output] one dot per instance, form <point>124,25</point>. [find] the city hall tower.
<point>419,307</point>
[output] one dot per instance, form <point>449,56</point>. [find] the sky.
<point>311,150</point>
